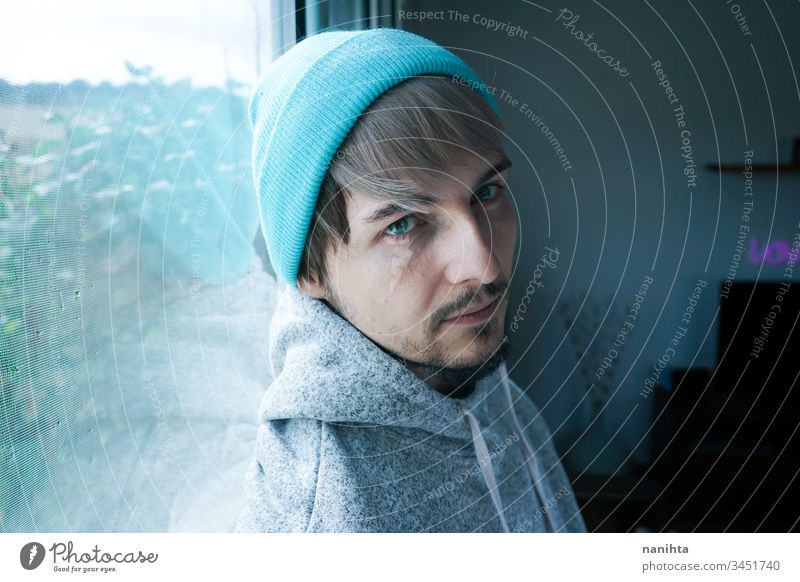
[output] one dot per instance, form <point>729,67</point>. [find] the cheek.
<point>504,232</point>
<point>386,288</point>
<point>378,280</point>
<point>400,265</point>
<point>399,280</point>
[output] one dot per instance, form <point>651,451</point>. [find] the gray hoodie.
<point>350,440</point>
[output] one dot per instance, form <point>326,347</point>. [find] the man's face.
<point>404,277</point>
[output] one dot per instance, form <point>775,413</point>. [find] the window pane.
<point>133,308</point>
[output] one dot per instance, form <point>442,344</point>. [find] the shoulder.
<point>281,479</point>
<point>313,475</point>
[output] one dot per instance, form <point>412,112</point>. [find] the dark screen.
<point>758,344</point>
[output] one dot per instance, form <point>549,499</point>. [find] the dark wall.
<point>634,199</point>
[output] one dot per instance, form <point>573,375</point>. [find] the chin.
<point>479,353</point>
<point>478,340</point>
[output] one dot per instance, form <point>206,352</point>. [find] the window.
<point>131,298</point>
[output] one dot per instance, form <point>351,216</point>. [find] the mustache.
<point>492,290</point>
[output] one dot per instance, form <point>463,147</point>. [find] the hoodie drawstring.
<point>485,460</point>
<point>533,464</point>
<point>485,463</point>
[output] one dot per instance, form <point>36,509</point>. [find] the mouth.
<point>476,314</point>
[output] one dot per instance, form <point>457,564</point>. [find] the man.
<point>381,173</point>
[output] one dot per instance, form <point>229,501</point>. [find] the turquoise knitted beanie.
<point>303,108</point>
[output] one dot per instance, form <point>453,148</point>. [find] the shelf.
<point>756,169</point>
<point>792,167</point>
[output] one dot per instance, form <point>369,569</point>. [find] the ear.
<point>311,287</point>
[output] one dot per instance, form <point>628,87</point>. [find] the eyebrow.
<point>503,164</point>
<point>421,202</point>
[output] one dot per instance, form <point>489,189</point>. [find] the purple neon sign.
<point>778,252</point>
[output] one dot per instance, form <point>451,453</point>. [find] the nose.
<point>469,252</point>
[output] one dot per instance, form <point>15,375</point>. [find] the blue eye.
<point>489,192</point>
<point>399,230</point>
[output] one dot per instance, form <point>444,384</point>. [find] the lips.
<point>474,309</point>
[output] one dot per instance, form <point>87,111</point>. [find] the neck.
<point>446,386</point>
